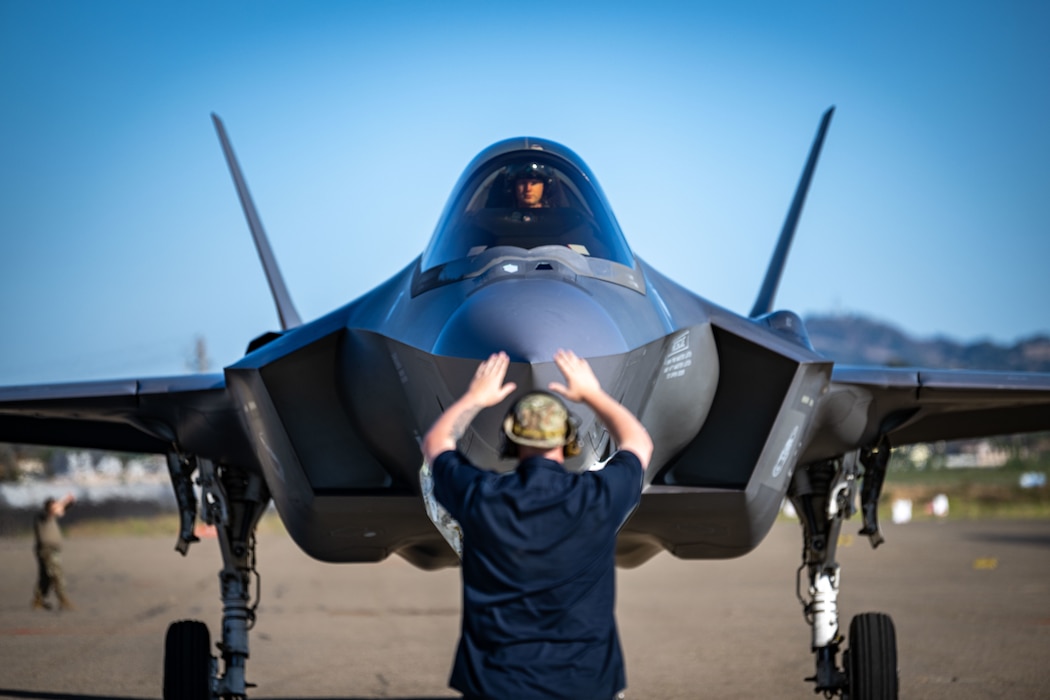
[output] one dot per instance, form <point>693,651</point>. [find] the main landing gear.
<point>234,500</point>
<point>824,495</point>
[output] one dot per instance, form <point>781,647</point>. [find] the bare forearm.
<point>626,431</point>
<point>583,385</point>
<point>486,389</point>
<point>450,427</point>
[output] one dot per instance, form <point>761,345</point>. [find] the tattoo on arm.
<point>462,422</point>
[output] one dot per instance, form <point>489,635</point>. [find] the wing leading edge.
<point>910,405</point>
<point>191,413</point>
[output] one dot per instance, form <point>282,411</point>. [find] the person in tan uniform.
<point>48,548</point>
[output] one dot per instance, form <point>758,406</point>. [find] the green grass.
<point>972,493</point>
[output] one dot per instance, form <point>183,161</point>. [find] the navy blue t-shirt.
<point>538,575</point>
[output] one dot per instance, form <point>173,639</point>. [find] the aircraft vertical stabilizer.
<point>285,308</point>
<point>764,302</point>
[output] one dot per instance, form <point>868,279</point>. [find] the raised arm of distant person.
<point>62,504</point>
<point>583,386</point>
<point>486,389</point>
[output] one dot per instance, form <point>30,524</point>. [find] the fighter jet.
<point>324,418</point>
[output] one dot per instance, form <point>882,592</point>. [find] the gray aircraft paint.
<point>330,411</point>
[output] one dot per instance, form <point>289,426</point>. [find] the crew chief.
<point>538,542</point>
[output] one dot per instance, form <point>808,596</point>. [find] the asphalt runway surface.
<point>971,602</point>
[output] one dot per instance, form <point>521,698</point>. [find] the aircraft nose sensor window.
<point>525,202</point>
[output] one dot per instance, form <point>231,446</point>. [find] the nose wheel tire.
<point>872,658</point>
<point>187,661</point>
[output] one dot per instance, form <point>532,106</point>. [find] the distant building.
<point>981,454</point>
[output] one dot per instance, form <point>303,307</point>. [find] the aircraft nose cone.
<point>530,320</point>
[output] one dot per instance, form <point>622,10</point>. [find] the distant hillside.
<point>855,340</point>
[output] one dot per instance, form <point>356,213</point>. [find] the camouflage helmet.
<point>539,419</point>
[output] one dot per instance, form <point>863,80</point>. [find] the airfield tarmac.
<point>971,601</point>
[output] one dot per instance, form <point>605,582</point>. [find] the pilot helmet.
<point>529,171</point>
<point>540,419</point>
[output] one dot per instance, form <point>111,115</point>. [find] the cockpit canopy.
<point>520,195</point>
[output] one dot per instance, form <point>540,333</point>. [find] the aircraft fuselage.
<point>380,370</point>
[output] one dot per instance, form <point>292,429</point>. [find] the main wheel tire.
<point>872,658</point>
<point>187,661</point>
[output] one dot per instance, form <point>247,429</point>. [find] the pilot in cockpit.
<point>531,184</point>
<point>525,201</point>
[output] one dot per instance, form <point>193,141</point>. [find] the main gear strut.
<point>233,501</point>
<point>824,495</point>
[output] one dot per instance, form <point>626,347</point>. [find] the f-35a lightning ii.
<point>324,417</point>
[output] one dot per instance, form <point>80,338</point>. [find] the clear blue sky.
<point>121,238</point>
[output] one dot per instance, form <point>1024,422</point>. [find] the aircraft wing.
<point>190,413</point>
<point>910,405</point>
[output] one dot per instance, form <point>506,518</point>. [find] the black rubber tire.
<point>187,661</point>
<point>872,658</point>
